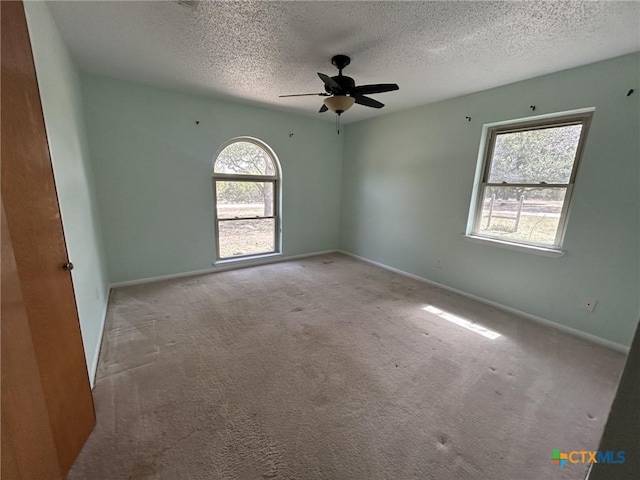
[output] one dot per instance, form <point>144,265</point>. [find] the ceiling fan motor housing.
<point>345,83</point>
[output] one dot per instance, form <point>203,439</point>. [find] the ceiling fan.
<point>342,92</point>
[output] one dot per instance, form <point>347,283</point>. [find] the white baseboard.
<point>96,355</point>
<point>528,316</point>
<point>221,268</point>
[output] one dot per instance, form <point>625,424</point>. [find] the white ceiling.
<point>254,51</point>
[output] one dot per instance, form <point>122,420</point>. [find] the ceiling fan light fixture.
<point>339,103</point>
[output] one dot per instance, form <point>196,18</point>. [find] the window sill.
<point>251,259</point>
<point>517,247</point>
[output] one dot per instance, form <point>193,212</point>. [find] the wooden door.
<point>28,451</point>
<point>35,232</point>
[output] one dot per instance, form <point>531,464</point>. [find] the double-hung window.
<point>246,187</point>
<point>527,178</point>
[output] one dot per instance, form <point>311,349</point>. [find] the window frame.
<point>490,133</point>
<point>275,180</point>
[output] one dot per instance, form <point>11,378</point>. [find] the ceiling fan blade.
<point>323,108</point>
<point>305,95</point>
<point>330,83</point>
<point>369,102</point>
<point>375,88</point>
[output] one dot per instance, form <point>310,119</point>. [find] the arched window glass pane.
<point>244,158</point>
<point>246,187</point>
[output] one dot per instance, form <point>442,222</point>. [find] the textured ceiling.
<point>254,51</point>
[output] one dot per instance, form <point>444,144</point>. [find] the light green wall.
<point>407,182</point>
<point>62,107</point>
<point>153,171</point>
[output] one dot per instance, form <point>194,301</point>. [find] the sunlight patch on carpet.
<point>463,322</point>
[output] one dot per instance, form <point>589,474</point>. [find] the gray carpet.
<point>330,368</point>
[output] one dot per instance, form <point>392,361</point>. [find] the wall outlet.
<point>589,304</point>
<point>438,263</point>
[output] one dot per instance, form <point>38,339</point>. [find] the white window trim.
<point>517,247</point>
<point>489,132</point>
<point>277,200</point>
<point>247,258</point>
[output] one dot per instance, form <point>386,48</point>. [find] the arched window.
<point>246,192</point>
